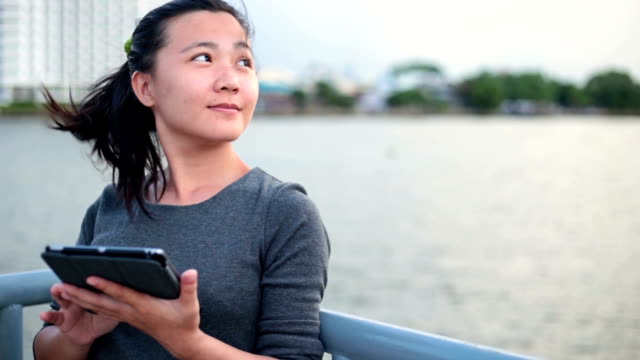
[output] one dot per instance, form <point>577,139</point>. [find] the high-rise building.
<point>63,44</point>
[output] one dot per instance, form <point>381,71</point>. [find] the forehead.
<point>204,26</point>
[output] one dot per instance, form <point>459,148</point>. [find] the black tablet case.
<point>144,269</point>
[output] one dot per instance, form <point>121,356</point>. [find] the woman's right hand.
<point>77,324</point>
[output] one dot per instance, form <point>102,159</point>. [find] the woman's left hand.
<point>171,322</point>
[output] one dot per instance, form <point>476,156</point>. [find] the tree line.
<point>612,91</point>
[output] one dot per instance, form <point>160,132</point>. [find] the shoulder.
<point>87,228</point>
<point>291,216</point>
<point>109,198</point>
<point>271,194</point>
<point>108,203</point>
<point>285,199</point>
<point>108,195</point>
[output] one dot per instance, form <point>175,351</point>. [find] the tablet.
<point>146,270</point>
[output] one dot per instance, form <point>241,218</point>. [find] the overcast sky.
<point>568,39</point>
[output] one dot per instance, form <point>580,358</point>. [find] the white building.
<point>63,44</point>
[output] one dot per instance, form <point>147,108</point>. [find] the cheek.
<point>252,91</point>
<point>180,92</point>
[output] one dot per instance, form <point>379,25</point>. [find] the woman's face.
<point>204,85</point>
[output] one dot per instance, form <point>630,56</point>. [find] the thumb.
<point>189,286</point>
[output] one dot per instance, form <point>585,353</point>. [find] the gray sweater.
<point>261,252</point>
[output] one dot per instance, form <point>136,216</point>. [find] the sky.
<point>567,39</point>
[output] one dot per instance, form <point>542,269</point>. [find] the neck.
<point>194,176</point>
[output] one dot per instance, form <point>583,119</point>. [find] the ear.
<point>141,84</point>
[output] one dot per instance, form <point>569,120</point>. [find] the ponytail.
<point>120,127</point>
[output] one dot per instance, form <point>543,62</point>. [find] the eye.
<point>245,62</point>
<point>202,57</point>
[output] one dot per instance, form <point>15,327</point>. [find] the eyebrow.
<point>214,46</point>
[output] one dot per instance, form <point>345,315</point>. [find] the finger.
<point>92,307</point>
<point>52,317</point>
<point>189,287</point>
<point>99,303</point>
<point>115,290</point>
<point>66,304</point>
<point>56,292</point>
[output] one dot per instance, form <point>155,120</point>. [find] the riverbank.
<point>389,117</point>
<point>28,109</point>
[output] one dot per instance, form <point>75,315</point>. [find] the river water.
<point>517,233</point>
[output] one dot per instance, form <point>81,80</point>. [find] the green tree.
<point>569,95</point>
<point>614,90</point>
<point>325,91</point>
<point>415,98</point>
<point>528,86</point>
<point>328,95</point>
<point>428,80</point>
<point>483,92</point>
<point>412,97</point>
<point>300,99</point>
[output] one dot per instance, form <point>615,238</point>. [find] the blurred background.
<point>473,161</point>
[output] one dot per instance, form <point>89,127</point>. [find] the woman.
<point>252,250</point>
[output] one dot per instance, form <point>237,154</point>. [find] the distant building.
<point>374,99</point>
<point>63,44</point>
<point>276,89</point>
<point>275,99</point>
<point>372,102</point>
<point>342,81</point>
<point>432,84</point>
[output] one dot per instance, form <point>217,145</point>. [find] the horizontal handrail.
<point>26,288</point>
<point>344,336</point>
<point>357,338</point>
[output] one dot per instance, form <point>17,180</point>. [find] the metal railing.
<point>345,337</point>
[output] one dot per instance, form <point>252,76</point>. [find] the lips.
<point>225,106</point>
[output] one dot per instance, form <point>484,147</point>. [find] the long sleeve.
<point>295,259</point>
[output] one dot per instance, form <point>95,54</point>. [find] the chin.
<point>230,132</point>
<point>227,136</point>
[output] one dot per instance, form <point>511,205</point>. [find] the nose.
<point>226,81</point>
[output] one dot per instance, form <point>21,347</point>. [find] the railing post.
<point>11,332</point>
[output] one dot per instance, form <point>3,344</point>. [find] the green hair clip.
<point>127,46</point>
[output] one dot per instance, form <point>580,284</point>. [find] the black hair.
<point>121,128</point>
